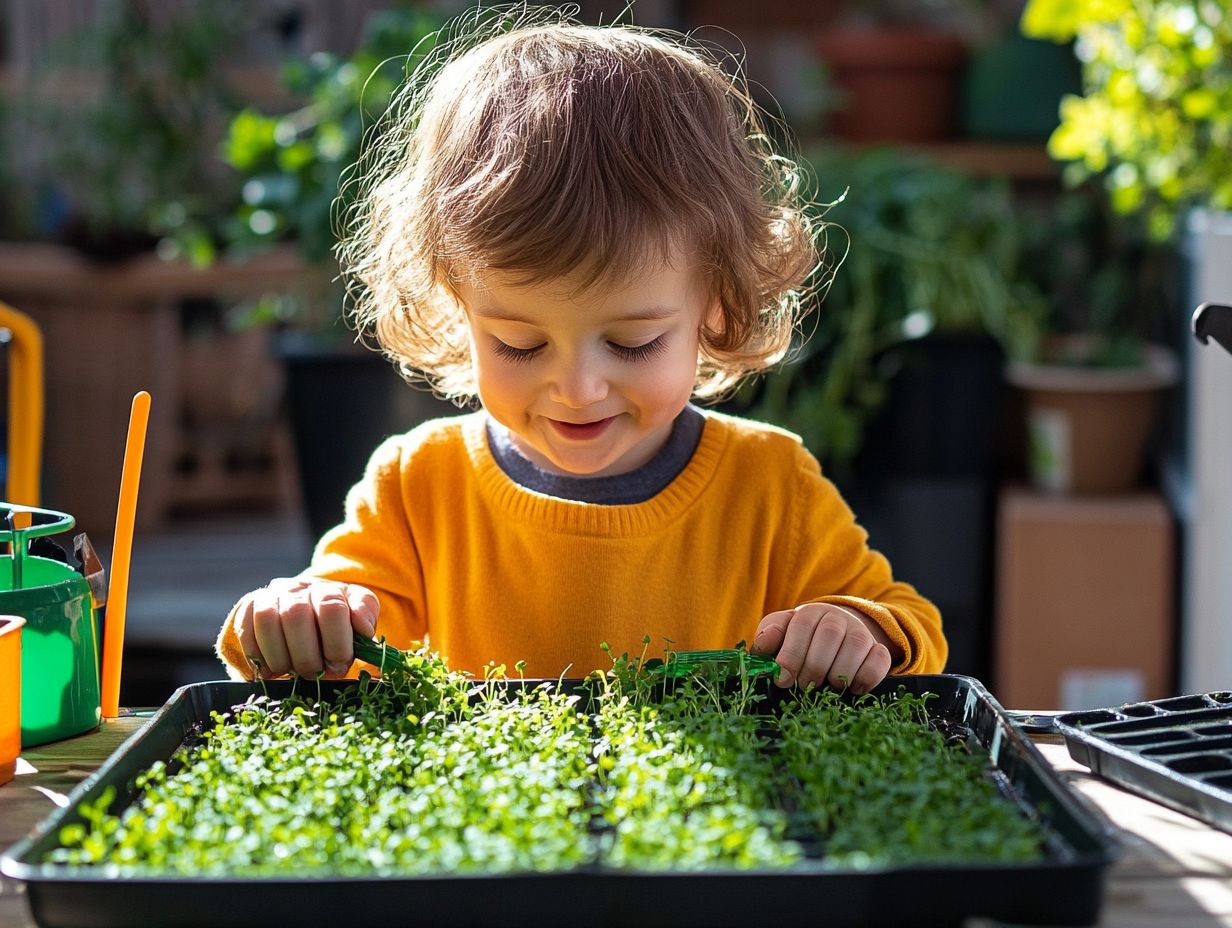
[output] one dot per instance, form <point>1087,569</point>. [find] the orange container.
<point>10,694</point>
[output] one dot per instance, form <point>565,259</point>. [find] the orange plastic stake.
<point>121,555</point>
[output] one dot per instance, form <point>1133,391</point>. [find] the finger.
<point>303,637</point>
<point>770,630</point>
<point>854,645</point>
<point>267,628</point>
<point>365,609</point>
<point>288,584</point>
<point>824,648</point>
<point>333,617</point>
<point>874,669</point>
<point>247,636</point>
<point>796,639</point>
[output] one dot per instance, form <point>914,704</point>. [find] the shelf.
<point>1018,161</point>
<point>54,270</point>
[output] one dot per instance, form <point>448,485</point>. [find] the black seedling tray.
<point>1065,887</point>
<point>1176,751</point>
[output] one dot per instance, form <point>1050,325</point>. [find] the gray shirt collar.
<point>637,486</point>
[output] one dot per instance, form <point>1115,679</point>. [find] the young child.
<point>586,227</point>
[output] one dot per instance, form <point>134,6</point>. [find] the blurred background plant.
<point>924,250</point>
<point>1155,123</point>
<point>123,133</point>
<point>1105,279</point>
<point>291,165</point>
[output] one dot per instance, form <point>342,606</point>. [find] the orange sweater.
<point>484,570</point>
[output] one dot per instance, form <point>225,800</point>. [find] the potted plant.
<point>929,256</point>
<point>897,67</point>
<point>293,166</point>
<point>1151,129</point>
<point>1094,370</point>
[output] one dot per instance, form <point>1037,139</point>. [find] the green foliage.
<point>1155,123</point>
<point>292,164</point>
<point>426,771</point>
<point>928,249</point>
<point>1104,278</point>
<point>129,150</point>
<point>295,166</point>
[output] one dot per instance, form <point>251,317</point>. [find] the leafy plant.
<point>923,249</point>
<point>1155,123</point>
<point>293,164</point>
<point>1104,279</point>
<point>126,112</point>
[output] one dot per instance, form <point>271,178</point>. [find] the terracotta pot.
<point>900,85</point>
<point>1088,427</point>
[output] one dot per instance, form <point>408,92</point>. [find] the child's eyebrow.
<point>647,314</point>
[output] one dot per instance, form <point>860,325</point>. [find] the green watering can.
<point>62,639</point>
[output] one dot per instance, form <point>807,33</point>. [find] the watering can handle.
<point>1213,320</point>
<point>25,407</point>
<point>53,523</point>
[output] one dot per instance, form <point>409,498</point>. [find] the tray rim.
<point>14,865</point>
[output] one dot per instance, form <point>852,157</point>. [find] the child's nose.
<point>579,384</point>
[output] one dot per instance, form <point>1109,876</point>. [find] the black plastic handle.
<point>1214,320</point>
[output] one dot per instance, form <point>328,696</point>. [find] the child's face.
<point>588,385</point>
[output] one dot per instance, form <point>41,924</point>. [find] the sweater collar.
<point>585,518</point>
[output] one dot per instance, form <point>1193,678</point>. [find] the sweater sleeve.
<point>832,563</point>
<point>373,547</point>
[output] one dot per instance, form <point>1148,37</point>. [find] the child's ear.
<point>715,320</point>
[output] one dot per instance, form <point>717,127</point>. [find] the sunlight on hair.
<point>527,143</point>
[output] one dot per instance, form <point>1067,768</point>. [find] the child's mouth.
<point>581,431</point>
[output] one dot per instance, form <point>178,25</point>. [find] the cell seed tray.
<point>1064,887</point>
<point>1176,751</point>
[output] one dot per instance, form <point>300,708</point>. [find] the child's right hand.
<point>304,626</point>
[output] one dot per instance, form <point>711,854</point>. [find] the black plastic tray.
<point>1177,751</point>
<point>1066,887</point>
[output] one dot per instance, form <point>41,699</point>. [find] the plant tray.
<point>1064,887</point>
<point>1177,751</point>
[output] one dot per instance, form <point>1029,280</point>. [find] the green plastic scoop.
<point>733,660</point>
<point>678,664</point>
<point>378,652</point>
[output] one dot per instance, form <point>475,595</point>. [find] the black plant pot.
<point>343,400</point>
<point>943,416</point>
<point>924,484</point>
<point>340,403</point>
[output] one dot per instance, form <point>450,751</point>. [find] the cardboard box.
<point>1085,600</point>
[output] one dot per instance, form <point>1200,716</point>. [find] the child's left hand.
<point>821,643</point>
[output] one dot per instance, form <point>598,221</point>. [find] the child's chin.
<point>581,469</point>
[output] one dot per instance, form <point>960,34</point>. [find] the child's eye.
<point>639,352</point>
<point>510,353</point>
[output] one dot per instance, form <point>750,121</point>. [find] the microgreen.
<point>425,770</point>
<point>884,787</point>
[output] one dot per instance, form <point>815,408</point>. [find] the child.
<point>585,228</point>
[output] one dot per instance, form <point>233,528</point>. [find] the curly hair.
<point>550,149</point>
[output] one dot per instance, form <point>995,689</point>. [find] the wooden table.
<point>45,776</point>
<point>1173,872</point>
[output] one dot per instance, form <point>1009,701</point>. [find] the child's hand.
<point>304,626</point>
<point>820,643</point>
